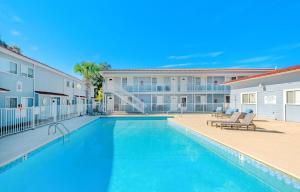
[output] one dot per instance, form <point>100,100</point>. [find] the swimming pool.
<point>139,154</point>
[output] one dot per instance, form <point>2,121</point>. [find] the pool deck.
<point>275,143</point>
<point>15,146</point>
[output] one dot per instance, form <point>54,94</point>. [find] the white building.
<point>275,94</point>
<point>170,90</point>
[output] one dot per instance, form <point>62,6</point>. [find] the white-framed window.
<point>11,102</point>
<point>30,72</point>
<point>73,85</point>
<point>198,80</point>
<point>293,97</point>
<point>13,68</point>
<point>124,81</point>
<point>248,98</point>
<point>24,70</point>
<point>27,101</point>
<point>68,83</point>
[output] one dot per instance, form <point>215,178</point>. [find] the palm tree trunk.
<point>88,95</point>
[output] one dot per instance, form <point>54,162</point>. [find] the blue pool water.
<point>132,154</point>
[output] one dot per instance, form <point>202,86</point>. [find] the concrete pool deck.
<point>15,146</point>
<point>275,143</point>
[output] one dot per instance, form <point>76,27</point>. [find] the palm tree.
<point>89,70</point>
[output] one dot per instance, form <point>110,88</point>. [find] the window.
<point>233,78</point>
<point>24,70</point>
<point>27,102</point>
<point>124,81</point>
<point>13,68</point>
<point>249,98</point>
<point>11,102</point>
<point>30,72</point>
<point>68,83</point>
<point>154,81</point>
<point>73,85</point>
<point>198,81</point>
<point>293,97</point>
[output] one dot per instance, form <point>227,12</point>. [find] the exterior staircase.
<point>125,95</point>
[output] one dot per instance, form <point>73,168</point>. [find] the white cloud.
<point>255,59</point>
<point>15,32</point>
<point>16,19</point>
<point>176,65</point>
<point>209,54</point>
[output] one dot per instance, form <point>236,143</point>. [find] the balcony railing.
<point>167,88</point>
<point>169,107</point>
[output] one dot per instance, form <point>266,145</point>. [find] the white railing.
<point>127,97</point>
<point>14,120</point>
<point>175,108</point>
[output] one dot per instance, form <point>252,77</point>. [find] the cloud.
<point>209,54</point>
<point>16,19</point>
<point>15,32</point>
<point>176,65</point>
<point>255,59</point>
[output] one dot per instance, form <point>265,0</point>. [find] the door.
<point>174,103</point>
<point>183,103</point>
<point>173,84</point>
<point>110,104</point>
<point>227,101</point>
<point>54,108</point>
<point>183,84</point>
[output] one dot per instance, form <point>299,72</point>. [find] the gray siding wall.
<point>274,86</point>
<point>9,81</point>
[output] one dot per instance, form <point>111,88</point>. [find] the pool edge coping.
<point>20,156</point>
<point>240,151</point>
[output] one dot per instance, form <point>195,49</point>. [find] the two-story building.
<point>25,82</point>
<point>170,90</point>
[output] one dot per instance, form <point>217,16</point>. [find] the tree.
<point>89,70</point>
<point>98,79</point>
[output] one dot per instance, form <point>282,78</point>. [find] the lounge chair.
<point>228,113</point>
<point>246,122</point>
<point>217,111</point>
<point>233,119</point>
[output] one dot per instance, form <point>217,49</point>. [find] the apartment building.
<point>26,82</point>
<point>274,95</point>
<point>170,90</point>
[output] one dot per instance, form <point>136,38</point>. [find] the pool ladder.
<point>64,131</point>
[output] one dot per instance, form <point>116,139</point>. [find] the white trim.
<point>6,97</point>
<point>285,103</point>
<point>243,93</point>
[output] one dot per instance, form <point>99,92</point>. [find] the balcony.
<point>189,88</point>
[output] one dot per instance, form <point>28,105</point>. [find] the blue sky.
<point>156,33</point>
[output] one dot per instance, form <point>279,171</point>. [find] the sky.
<point>155,33</point>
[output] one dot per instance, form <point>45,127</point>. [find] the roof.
<point>50,93</point>
<point>268,74</point>
<point>190,70</point>
<point>3,90</point>
<point>36,61</point>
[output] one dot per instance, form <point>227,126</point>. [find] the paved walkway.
<point>275,143</point>
<point>14,146</point>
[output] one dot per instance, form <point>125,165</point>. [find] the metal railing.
<point>127,97</point>
<point>175,108</point>
<point>64,132</point>
<point>15,120</point>
<point>167,88</point>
